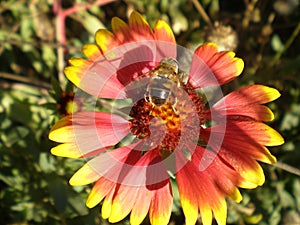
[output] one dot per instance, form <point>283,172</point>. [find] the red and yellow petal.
<point>105,40</point>
<point>58,130</point>
<point>250,148</point>
<point>247,102</point>
<point>101,188</point>
<point>85,75</point>
<point>243,141</point>
<point>198,192</point>
<point>121,30</point>
<point>211,68</point>
<point>141,207</point>
<point>220,211</point>
<point>247,167</point>
<point>227,181</point>
<point>75,72</point>
<point>245,137</point>
<point>201,190</point>
<point>163,32</point>
<point>91,51</point>
<point>188,196</point>
<point>252,94</point>
<point>120,198</point>
<point>256,112</point>
<point>107,204</point>
<point>87,133</point>
<point>123,202</point>
<point>256,132</point>
<point>139,27</point>
<point>108,165</point>
<point>72,150</point>
<point>161,204</point>
<point>85,175</point>
<point>252,132</point>
<point>67,150</point>
<point>165,40</point>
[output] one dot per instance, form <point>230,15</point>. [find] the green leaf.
<point>291,118</point>
<point>296,192</point>
<point>276,43</point>
<point>26,27</point>
<point>90,22</point>
<point>57,189</point>
<point>49,56</point>
<point>57,88</point>
<point>288,200</point>
<point>77,204</point>
<point>14,135</point>
<point>253,219</point>
<point>275,216</point>
<point>47,162</point>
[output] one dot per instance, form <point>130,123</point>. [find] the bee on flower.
<point>167,128</point>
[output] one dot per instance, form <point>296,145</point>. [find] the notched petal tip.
<point>211,67</point>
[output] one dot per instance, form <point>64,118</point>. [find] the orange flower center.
<point>167,116</point>
<point>166,122</point>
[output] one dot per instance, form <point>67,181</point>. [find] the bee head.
<point>170,62</point>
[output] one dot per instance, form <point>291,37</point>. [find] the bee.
<point>164,80</point>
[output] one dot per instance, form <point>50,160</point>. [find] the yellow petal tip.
<point>239,66</point>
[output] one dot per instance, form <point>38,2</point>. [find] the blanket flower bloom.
<point>159,124</point>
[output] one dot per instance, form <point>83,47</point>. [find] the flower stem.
<point>25,80</point>
<point>202,12</point>
<point>287,44</point>
<point>61,16</point>
<point>287,168</point>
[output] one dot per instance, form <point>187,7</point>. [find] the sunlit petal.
<point>211,68</point>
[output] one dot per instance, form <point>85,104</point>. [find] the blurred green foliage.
<point>34,185</point>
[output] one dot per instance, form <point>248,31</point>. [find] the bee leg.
<point>147,97</point>
<point>174,107</point>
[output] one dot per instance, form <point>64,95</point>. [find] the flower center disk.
<point>163,125</point>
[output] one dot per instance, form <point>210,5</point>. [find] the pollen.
<point>167,115</point>
<point>167,122</point>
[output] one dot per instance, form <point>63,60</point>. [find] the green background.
<point>34,49</point>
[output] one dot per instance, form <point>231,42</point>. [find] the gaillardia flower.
<point>162,122</point>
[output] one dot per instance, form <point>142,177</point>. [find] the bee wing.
<point>138,87</point>
<point>183,76</point>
